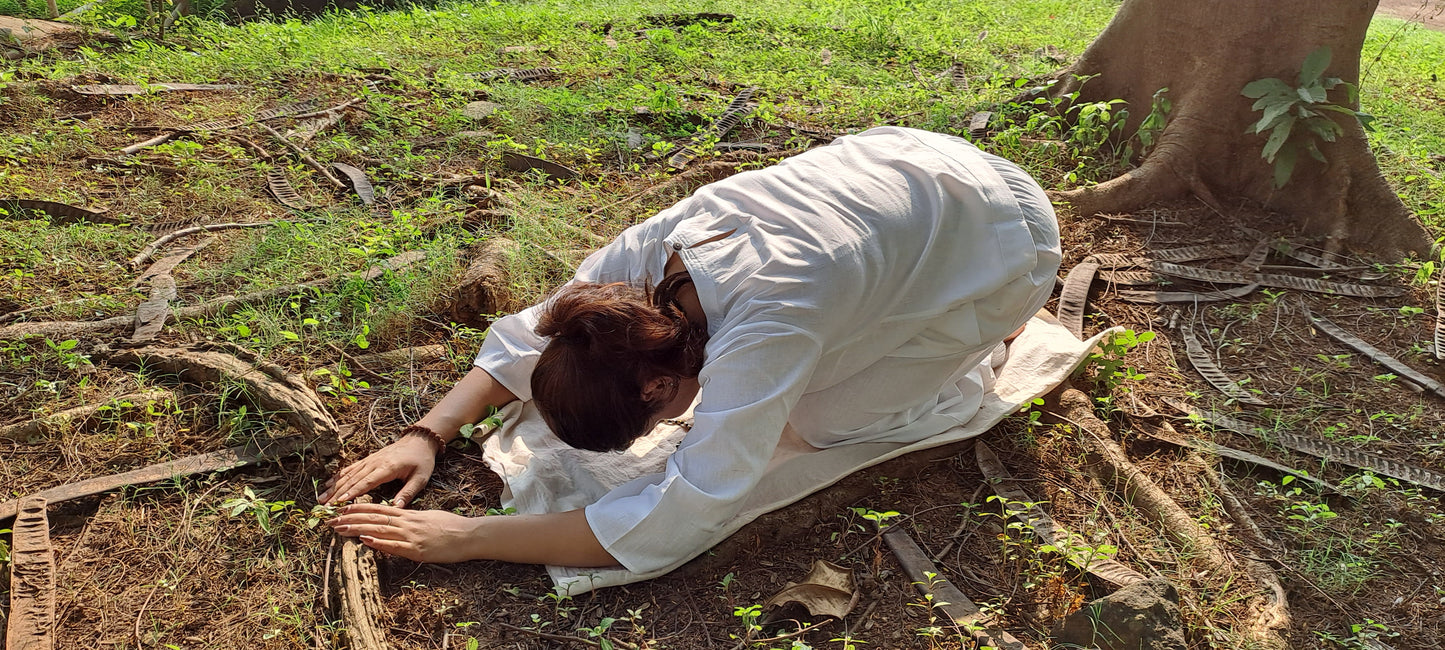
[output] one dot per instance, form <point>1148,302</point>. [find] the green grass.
<point>1403,84</point>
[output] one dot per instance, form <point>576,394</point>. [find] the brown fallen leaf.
<point>827,590</point>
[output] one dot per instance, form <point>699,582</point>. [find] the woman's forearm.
<point>466,403</point>
<point>561,538</point>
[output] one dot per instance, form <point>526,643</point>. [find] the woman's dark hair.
<point>607,341</point>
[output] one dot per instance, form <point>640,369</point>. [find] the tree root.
<point>151,248</point>
<point>405,356</point>
<point>218,307</point>
<point>269,387</point>
<point>1154,180</point>
<point>1106,461</point>
<point>38,427</point>
<point>1274,614</point>
<point>32,588</point>
<point>485,287</point>
<point>358,585</point>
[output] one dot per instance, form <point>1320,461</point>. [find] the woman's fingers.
<point>391,546</point>
<point>359,486</point>
<point>373,509</point>
<point>413,485</point>
<point>379,531</point>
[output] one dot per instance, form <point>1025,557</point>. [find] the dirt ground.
<point>1426,12</point>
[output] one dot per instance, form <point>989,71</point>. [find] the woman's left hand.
<point>419,535</point>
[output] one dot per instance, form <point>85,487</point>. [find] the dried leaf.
<point>1069,544</point>
<point>978,125</point>
<point>127,89</point>
<point>1202,252</point>
<point>1237,454</point>
<point>514,74</point>
<point>268,114</point>
<point>1375,354</point>
<point>1323,449</point>
<point>1131,277</point>
<point>1162,297</point>
<point>1272,280</point>
<point>32,579</point>
<point>1291,250</point>
<point>151,315</point>
<point>521,163</point>
<point>736,110</point>
<point>1116,260</point>
<point>359,183</point>
<point>59,213</point>
<point>943,596</point>
<point>1256,257</point>
<point>172,259</point>
<point>282,190</point>
<point>958,75</point>
<point>1204,363</point>
<point>827,590</point>
<point>1440,320</point>
<point>1074,298</point>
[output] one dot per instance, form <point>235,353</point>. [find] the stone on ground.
<point>1141,616</point>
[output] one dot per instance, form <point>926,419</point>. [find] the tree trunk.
<point>1205,52</point>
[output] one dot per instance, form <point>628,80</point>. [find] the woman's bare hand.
<point>418,535</point>
<point>412,459</point>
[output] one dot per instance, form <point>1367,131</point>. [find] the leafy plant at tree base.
<point>1296,115</point>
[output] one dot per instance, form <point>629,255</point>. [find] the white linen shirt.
<point>897,255</point>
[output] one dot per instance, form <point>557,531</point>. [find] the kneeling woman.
<point>847,292</point>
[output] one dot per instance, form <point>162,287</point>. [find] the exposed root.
<point>39,427</point>
<point>32,586</point>
<point>219,307</point>
<point>269,387</point>
<point>405,356</point>
<point>1106,461</point>
<point>1154,180</point>
<point>1274,614</point>
<point>485,287</point>
<point>359,590</point>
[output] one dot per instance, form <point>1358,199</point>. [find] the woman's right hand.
<point>412,459</point>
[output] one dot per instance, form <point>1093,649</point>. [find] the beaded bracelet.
<point>428,434</point>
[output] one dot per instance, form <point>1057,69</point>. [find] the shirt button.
<point>677,247</point>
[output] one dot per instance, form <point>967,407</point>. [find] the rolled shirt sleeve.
<point>748,390</point>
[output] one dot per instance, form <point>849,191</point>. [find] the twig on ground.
<point>160,139</point>
<point>355,363</point>
<point>305,157</point>
<point>150,249</point>
<point>344,105</point>
<point>782,637</point>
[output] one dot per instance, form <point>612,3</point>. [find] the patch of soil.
<point>1430,13</point>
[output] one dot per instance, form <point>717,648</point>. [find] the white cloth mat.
<point>542,474</point>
